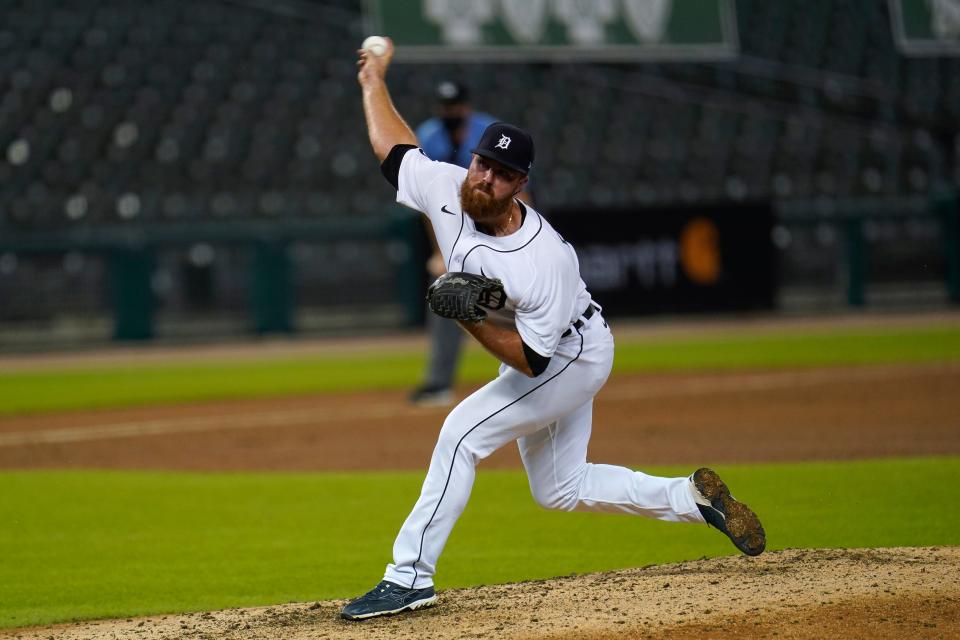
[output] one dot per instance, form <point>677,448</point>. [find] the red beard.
<point>479,203</point>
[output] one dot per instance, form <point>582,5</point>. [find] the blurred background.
<point>190,171</point>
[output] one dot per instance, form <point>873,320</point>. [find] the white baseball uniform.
<point>550,415</point>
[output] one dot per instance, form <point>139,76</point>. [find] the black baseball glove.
<point>463,296</point>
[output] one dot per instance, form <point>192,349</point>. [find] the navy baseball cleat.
<point>386,599</point>
<point>721,510</point>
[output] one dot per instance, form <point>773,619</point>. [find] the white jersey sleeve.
<point>422,180</point>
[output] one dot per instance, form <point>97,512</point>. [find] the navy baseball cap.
<point>450,92</point>
<point>509,145</point>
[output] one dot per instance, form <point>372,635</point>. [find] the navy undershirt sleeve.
<point>390,167</point>
<point>538,363</point>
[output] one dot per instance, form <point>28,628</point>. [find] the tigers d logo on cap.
<point>509,145</point>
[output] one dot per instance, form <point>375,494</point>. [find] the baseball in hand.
<point>377,45</point>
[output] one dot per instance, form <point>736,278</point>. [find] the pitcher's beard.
<point>482,208</point>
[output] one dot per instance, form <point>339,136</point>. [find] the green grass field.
<point>81,545</point>
<point>78,545</point>
<point>118,386</point>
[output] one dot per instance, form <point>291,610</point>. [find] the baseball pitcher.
<point>514,284</point>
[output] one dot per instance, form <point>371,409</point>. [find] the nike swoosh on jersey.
<point>445,210</point>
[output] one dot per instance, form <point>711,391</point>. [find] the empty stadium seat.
<point>121,110</point>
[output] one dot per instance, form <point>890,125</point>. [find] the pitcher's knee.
<point>555,500</point>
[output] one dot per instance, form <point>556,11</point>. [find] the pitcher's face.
<point>489,189</point>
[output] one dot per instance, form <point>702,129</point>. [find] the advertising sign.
<point>611,30</point>
<point>708,258</point>
<point>926,27</point>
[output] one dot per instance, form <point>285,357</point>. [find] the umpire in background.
<point>447,137</point>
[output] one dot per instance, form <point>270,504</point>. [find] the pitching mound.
<point>823,593</point>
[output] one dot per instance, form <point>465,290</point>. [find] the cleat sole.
<point>741,525</point>
<point>418,604</point>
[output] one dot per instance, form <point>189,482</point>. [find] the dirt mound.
<point>860,593</point>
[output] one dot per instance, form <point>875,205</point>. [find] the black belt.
<point>586,315</point>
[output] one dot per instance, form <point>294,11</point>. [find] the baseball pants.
<point>550,417</point>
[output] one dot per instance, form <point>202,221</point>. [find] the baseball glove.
<point>463,296</point>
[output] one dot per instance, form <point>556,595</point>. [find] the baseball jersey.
<point>539,269</point>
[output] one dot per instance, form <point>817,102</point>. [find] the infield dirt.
<point>875,593</point>
<point>812,414</point>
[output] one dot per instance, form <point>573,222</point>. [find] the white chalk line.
<point>660,388</point>
<point>168,426</point>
